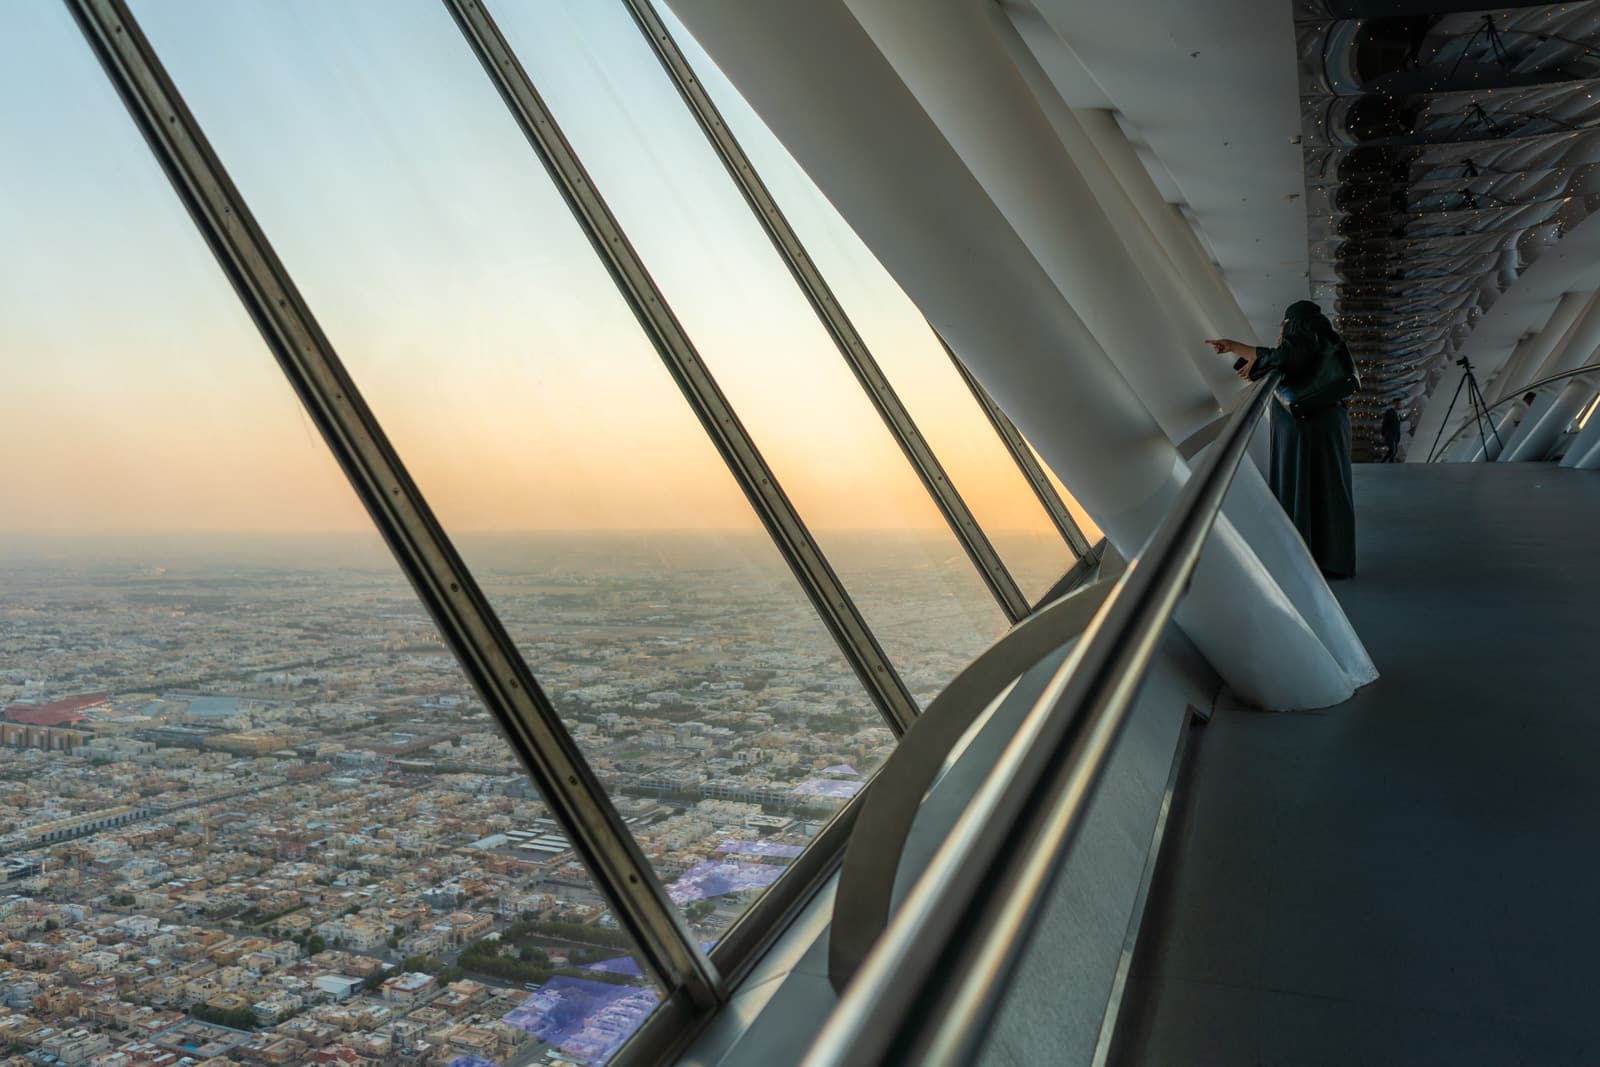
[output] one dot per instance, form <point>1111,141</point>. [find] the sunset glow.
<point>453,282</point>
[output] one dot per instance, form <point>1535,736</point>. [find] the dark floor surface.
<point>1412,878</point>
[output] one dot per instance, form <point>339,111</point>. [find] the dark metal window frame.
<point>694,984</point>
<point>761,487</point>
<point>1023,455</point>
<point>442,581</point>
<point>819,294</point>
<point>853,347</point>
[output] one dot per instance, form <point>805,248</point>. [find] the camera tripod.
<point>1480,410</point>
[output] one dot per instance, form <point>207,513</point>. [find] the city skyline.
<point>251,808</point>
<point>282,761</point>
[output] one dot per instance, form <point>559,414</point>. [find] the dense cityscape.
<point>251,812</point>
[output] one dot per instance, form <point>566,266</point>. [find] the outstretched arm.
<point>1249,353</point>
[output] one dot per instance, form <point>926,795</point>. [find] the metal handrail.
<point>864,902</point>
<point>1587,368</point>
<point>927,993</point>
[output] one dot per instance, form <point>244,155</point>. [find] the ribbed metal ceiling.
<point>1447,146</point>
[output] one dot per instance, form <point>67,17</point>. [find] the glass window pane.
<point>758,334</point>
<point>541,424</point>
<point>1090,528</point>
<point>248,799</point>
<point>899,338</point>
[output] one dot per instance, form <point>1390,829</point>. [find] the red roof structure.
<point>56,713</point>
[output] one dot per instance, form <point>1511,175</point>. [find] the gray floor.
<point>1414,877</point>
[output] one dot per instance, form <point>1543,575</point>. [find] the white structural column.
<point>954,57</point>
<point>1174,291</point>
<point>1585,451</point>
<point>1577,344</point>
<point>828,93</point>
<point>948,53</point>
<point>1135,205</point>
<point>1177,238</point>
<point>1526,357</point>
<point>1181,264</point>
<point>1190,270</point>
<point>1466,448</point>
<point>1532,413</point>
<point>1521,368</point>
<point>1171,292</point>
<point>1517,363</point>
<point>1505,424</point>
<point>1544,426</point>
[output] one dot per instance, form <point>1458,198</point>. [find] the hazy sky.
<point>449,275</point>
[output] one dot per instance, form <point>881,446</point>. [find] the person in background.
<point>1310,430</point>
<point>1527,405</point>
<point>1390,432</point>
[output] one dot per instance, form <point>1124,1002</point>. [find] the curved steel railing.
<point>927,991</point>
<point>1440,450</point>
<point>890,804</point>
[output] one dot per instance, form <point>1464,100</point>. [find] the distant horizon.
<point>163,531</point>
<point>174,522</point>
<point>507,371</point>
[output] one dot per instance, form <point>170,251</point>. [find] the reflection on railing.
<point>928,990</point>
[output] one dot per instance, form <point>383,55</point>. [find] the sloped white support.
<point>1177,238</point>
<point>1527,358</point>
<point>840,108</point>
<point>1535,411</point>
<point>1173,292</point>
<point>1040,168</point>
<point>1469,447</point>
<point>1543,427</point>
<point>950,56</point>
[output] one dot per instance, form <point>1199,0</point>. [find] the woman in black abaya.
<point>1310,451</point>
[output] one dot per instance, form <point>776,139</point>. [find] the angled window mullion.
<point>449,592</point>
<point>799,549</point>
<point>901,426</point>
<point>1018,447</point>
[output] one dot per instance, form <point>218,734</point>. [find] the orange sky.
<point>433,248</point>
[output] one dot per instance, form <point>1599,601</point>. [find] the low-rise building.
<point>408,988</point>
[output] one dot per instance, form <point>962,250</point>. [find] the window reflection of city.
<point>243,777</point>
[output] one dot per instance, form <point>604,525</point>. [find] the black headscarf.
<point>1310,339</point>
<point>1305,324</point>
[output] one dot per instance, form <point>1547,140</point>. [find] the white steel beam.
<point>839,106</point>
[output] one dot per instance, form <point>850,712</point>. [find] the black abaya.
<point>1311,478</point>
<point>1311,453</point>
